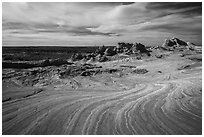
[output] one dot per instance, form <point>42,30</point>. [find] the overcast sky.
<point>100,23</point>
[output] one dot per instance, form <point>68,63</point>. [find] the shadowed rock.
<point>191,46</point>
<point>77,56</point>
<point>100,50</point>
<point>109,52</point>
<point>141,48</point>
<point>123,47</point>
<point>140,71</point>
<point>86,73</point>
<point>159,56</point>
<point>174,43</point>
<point>103,59</point>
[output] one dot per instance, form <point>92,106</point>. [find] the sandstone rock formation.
<point>191,46</point>
<point>110,52</point>
<point>103,58</point>
<point>131,48</point>
<point>100,50</point>
<point>173,42</point>
<point>177,44</point>
<point>77,56</point>
<point>140,47</point>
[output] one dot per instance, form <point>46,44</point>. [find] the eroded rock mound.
<point>191,46</point>
<point>177,44</point>
<point>131,48</point>
<point>100,50</point>
<point>77,56</point>
<point>141,48</point>
<point>173,42</point>
<point>123,47</point>
<point>110,52</point>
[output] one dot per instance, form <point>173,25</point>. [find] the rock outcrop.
<point>123,47</point>
<point>131,48</point>
<point>140,47</point>
<point>103,53</point>
<point>100,50</point>
<point>77,56</point>
<point>110,52</point>
<point>191,46</point>
<point>173,42</point>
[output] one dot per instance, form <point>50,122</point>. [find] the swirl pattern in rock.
<point>167,104</point>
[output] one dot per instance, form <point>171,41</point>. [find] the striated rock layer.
<point>165,100</point>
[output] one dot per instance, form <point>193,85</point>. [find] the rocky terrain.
<point>126,89</point>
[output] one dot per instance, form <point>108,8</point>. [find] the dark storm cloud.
<point>127,3</point>
<point>179,18</point>
<point>183,8</point>
<point>192,12</point>
<point>108,3</point>
<point>103,4</point>
<point>173,5</point>
<point>179,29</point>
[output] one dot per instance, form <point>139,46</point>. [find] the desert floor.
<point>166,100</point>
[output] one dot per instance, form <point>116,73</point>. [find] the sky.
<point>104,23</point>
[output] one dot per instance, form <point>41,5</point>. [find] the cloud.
<point>175,24</point>
<point>173,5</point>
<point>100,22</point>
<point>142,17</point>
